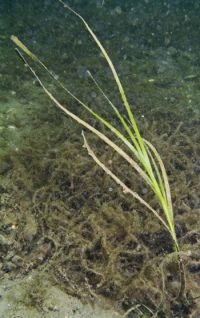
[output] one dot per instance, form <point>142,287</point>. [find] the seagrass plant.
<point>145,159</point>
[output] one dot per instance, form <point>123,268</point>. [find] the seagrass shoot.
<point>145,159</point>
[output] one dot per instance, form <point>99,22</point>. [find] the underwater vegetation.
<point>116,253</point>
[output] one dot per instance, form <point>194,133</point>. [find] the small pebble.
<point>118,10</point>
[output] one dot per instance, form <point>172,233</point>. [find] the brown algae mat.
<point>63,216</point>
